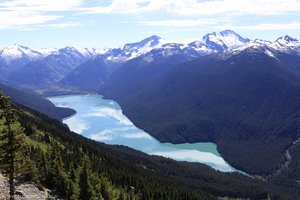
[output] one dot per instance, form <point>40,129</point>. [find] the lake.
<point>102,120</point>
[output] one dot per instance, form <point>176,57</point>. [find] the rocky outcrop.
<point>24,191</point>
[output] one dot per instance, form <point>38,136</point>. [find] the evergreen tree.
<point>11,143</point>
<point>86,191</point>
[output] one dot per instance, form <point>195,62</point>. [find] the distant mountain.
<point>89,68</point>
<point>133,50</point>
<point>161,59</point>
<point>146,59</point>
<point>35,102</point>
<point>219,42</point>
<point>247,102</point>
<point>48,70</point>
<point>90,75</point>
<point>91,53</point>
<point>17,56</point>
<point>14,57</point>
<point>148,66</point>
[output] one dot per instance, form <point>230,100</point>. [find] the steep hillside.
<point>146,67</point>
<point>61,160</point>
<point>248,103</point>
<point>48,70</point>
<point>35,102</point>
<point>91,75</point>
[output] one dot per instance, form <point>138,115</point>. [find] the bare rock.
<point>24,191</point>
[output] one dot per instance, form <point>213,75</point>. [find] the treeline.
<point>79,168</point>
<point>74,170</point>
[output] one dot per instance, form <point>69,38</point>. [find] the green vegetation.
<point>79,168</point>
<point>13,160</point>
<point>247,103</point>
<point>35,102</point>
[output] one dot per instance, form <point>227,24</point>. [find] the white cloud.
<point>195,7</point>
<point>182,23</point>
<point>41,5</point>
<point>62,25</point>
<point>12,19</point>
<point>28,13</point>
<point>263,26</point>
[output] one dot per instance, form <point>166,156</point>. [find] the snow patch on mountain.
<point>92,52</point>
<point>214,42</point>
<point>15,51</point>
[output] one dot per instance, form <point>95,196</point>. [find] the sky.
<point>112,23</point>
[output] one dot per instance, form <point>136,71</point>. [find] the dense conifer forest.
<point>78,168</point>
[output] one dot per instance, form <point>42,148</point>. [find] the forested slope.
<point>73,165</point>
<point>247,103</point>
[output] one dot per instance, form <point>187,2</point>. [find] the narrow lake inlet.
<point>102,120</point>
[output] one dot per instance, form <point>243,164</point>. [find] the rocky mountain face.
<point>24,190</point>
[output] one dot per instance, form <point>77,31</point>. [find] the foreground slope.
<point>61,160</point>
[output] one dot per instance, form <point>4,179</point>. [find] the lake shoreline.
<point>103,120</point>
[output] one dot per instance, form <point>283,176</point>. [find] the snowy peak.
<point>68,56</point>
<point>224,40</point>
<point>286,42</point>
<point>92,52</point>
<point>228,32</point>
<point>286,39</point>
<point>133,50</point>
<point>15,51</point>
<point>68,49</point>
<point>149,42</point>
<point>219,42</point>
<point>233,36</point>
<point>48,51</point>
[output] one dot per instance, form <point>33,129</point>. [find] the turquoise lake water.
<point>102,120</point>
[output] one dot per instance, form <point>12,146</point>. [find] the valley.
<point>102,120</point>
<point>200,114</point>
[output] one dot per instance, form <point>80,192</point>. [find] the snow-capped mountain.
<point>219,42</point>
<point>92,52</point>
<point>283,45</point>
<point>53,65</point>
<point>49,69</point>
<point>210,43</point>
<point>14,57</point>
<point>287,44</point>
<point>133,50</point>
<point>48,51</point>
<point>16,52</point>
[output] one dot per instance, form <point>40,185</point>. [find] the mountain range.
<point>88,68</point>
<point>243,97</point>
<point>239,93</point>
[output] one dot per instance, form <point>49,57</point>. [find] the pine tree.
<point>11,143</point>
<point>86,192</point>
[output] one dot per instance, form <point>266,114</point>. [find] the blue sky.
<point>112,23</point>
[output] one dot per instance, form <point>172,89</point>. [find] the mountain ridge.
<point>229,99</point>
<point>54,66</point>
